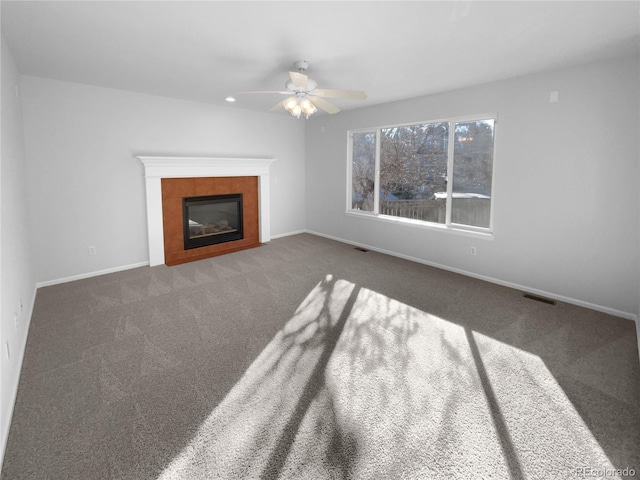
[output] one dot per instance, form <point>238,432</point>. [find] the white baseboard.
<point>288,234</point>
<point>554,296</point>
<point>81,276</point>
<point>515,286</point>
<point>90,274</point>
<point>22,348</point>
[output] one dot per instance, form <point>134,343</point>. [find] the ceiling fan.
<point>304,96</point>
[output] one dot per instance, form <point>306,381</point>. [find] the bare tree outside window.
<point>414,171</point>
<point>472,172</point>
<point>413,166</point>
<point>363,171</point>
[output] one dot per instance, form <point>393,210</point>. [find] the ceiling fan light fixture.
<point>307,107</point>
<point>291,105</point>
<point>296,108</point>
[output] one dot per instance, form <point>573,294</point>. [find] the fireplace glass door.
<point>211,220</point>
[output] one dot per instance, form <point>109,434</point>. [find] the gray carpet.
<point>308,359</point>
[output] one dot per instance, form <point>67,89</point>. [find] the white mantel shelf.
<point>157,168</point>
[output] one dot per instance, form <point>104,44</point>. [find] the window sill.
<point>454,229</point>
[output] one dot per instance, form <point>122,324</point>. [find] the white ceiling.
<point>206,50</point>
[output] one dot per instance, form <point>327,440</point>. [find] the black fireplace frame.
<point>205,241</point>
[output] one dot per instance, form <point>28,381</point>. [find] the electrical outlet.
<point>472,250</point>
<point>93,250</point>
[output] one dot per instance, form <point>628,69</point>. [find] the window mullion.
<point>349,199</point>
<point>376,187</point>
<point>450,152</point>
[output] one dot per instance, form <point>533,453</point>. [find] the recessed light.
<point>230,99</point>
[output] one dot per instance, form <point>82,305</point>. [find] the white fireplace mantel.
<point>157,168</point>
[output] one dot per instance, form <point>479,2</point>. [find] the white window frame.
<point>448,225</point>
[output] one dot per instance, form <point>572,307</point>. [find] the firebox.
<point>212,219</point>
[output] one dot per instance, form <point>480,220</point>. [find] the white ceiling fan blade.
<point>281,92</point>
<point>324,105</point>
<point>277,106</point>
<point>300,80</point>
<point>280,104</point>
<point>329,93</point>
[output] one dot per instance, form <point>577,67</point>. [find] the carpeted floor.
<point>308,359</point>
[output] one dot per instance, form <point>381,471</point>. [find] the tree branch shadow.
<point>314,384</point>
<point>506,442</point>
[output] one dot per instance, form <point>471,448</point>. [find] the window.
<point>363,170</point>
<point>439,172</point>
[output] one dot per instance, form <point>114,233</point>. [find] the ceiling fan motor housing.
<point>311,85</point>
<point>302,65</point>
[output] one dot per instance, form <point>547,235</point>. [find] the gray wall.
<point>566,191</point>
<point>17,279</point>
<point>87,189</point>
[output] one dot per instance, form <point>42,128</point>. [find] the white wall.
<point>565,185</point>
<point>88,189</point>
<point>17,281</point>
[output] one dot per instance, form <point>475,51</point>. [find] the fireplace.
<point>212,219</point>
<point>170,179</point>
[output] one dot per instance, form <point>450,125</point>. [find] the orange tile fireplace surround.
<point>173,191</point>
